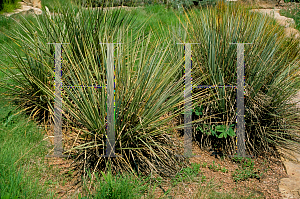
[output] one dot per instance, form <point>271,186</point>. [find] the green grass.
<point>108,186</point>
<point>21,146</point>
<point>9,6</point>
<point>294,13</point>
<point>5,23</point>
<point>52,5</point>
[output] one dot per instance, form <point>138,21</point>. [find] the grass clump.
<point>107,185</point>
<point>271,78</point>
<point>21,146</point>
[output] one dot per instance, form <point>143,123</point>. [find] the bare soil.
<point>267,187</point>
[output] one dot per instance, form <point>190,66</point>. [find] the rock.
<point>290,187</point>
<point>33,3</point>
<point>282,20</point>
<point>291,32</point>
<point>25,9</point>
<point>288,23</point>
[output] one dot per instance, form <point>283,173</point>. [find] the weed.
<point>246,170</point>
<point>237,159</point>
<point>159,179</point>
<point>219,131</point>
<point>214,167</point>
<point>217,168</point>
<point>224,170</point>
<point>111,186</point>
<point>187,173</point>
<point>203,178</point>
<point>195,167</point>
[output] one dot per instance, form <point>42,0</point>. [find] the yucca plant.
<point>148,85</point>
<point>271,75</point>
<point>30,71</point>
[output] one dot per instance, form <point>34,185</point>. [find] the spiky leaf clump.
<point>271,75</point>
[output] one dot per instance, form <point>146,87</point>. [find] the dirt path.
<point>288,23</point>
<point>288,187</point>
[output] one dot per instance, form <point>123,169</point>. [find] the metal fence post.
<point>110,142</point>
<point>188,103</point>
<point>58,136</point>
<point>58,146</point>
<point>240,101</point>
<point>110,139</point>
<point>240,116</point>
<point>188,139</point>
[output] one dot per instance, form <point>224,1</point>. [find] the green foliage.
<point>246,170</point>
<point>293,12</point>
<point>224,170</point>
<point>198,110</point>
<point>8,119</point>
<point>55,5</point>
<point>21,144</point>
<point>187,174</point>
<point>140,128</point>
<point>9,5</point>
<point>203,178</point>
<point>287,1</point>
<point>271,67</point>
<point>217,168</point>
<point>209,191</point>
<point>195,167</point>
<point>5,23</point>
<point>116,187</point>
<point>219,131</point>
<point>109,3</point>
<point>214,167</point>
<point>187,4</point>
<point>34,88</point>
